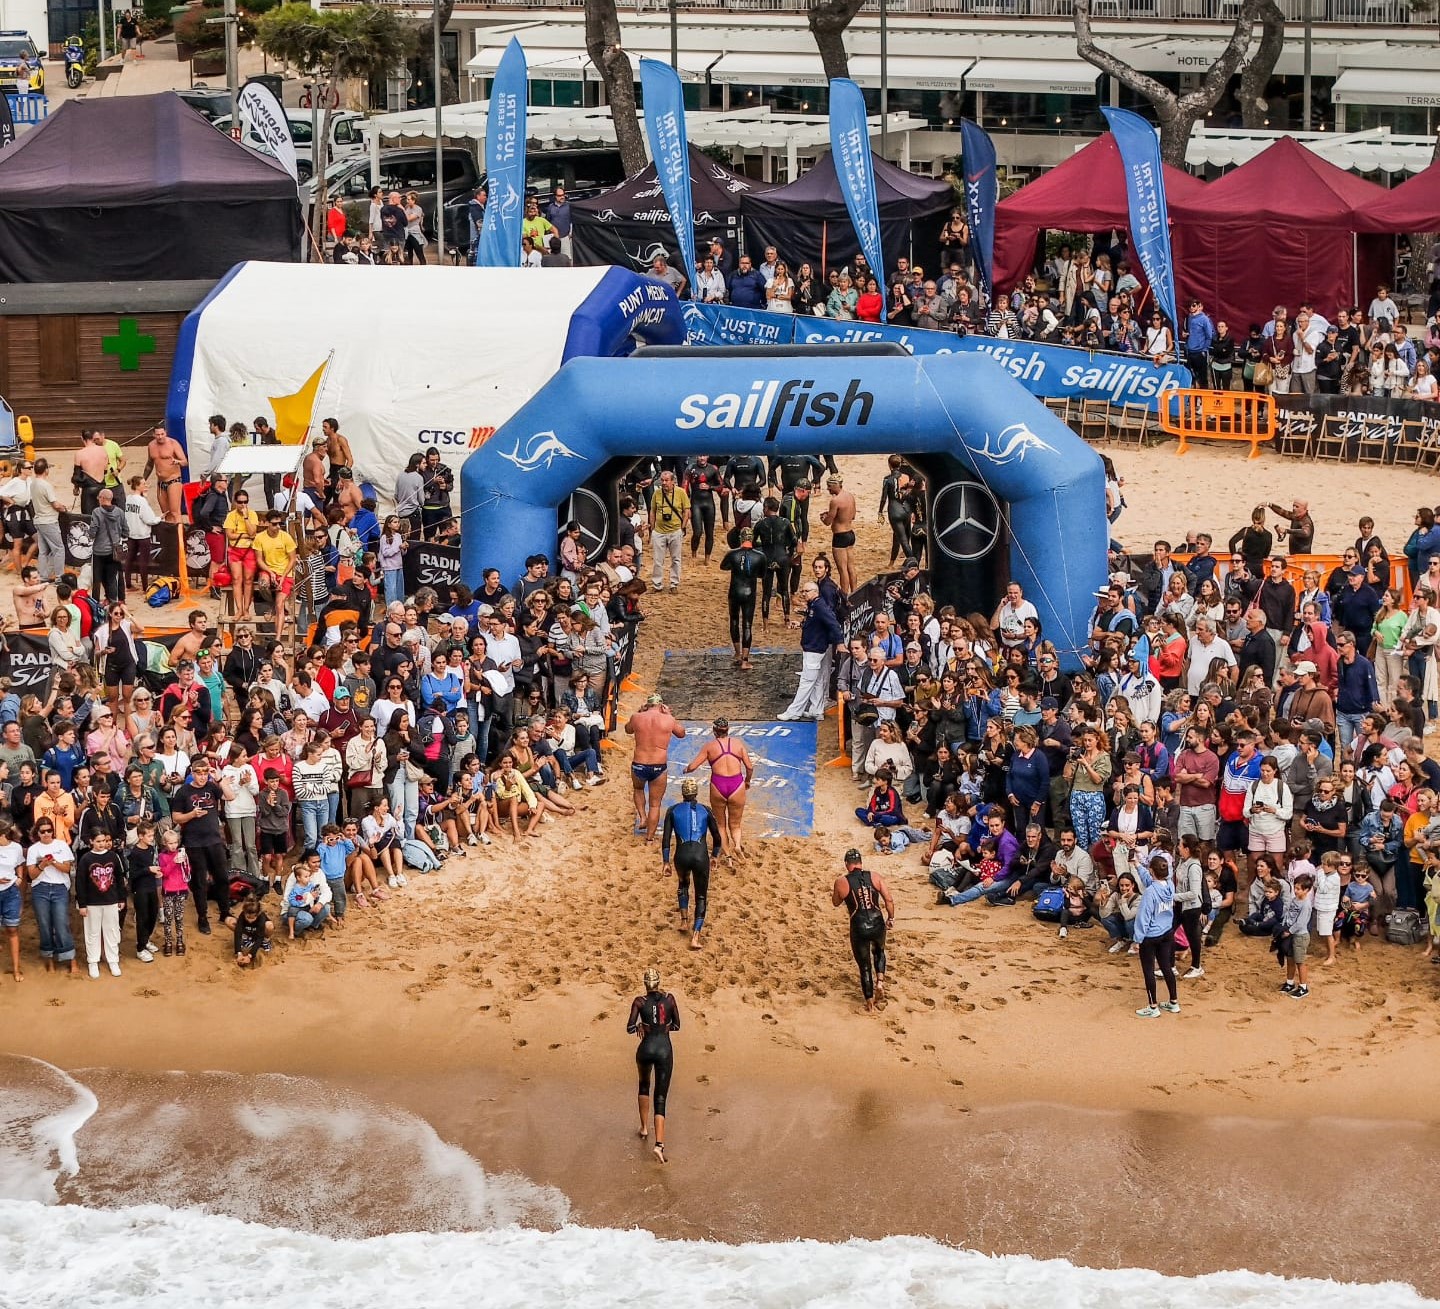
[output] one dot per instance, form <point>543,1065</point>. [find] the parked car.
<point>345,140</point>
<point>20,67</point>
<point>208,102</point>
<point>348,181</point>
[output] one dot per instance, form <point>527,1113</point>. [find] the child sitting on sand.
<point>1265,920</point>
<point>252,933</point>
<point>984,871</point>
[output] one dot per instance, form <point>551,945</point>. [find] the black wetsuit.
<point>744,565</point>
<point>899,508</point>
<point>689,822</point>
<point>655,1016</point>
<point>867,929</point>
<point>796,512</point>
<point>788,471</point>
<point>743,471</point>
<point>775,540</point>
<point>702,485</point>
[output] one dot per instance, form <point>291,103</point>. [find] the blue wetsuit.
<point>689,822</point>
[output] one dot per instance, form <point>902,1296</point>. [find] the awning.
<point>760,68</point>
<point>1387,86</point>
<point>1033,76</point>
<point>911,72</point>
<point>543,65</point>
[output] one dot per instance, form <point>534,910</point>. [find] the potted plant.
<point>208,63</point>
<point>193,31</point>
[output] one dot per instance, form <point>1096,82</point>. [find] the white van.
<point>345,138</point>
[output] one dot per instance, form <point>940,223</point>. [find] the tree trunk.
<point>319,165</point>
<point>1260,68</point>
<point>828,20</point>
<point>445,85</point>
<point>602,41</point>
<point>1177,114</point>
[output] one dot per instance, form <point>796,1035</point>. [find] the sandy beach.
<point>490,998</point>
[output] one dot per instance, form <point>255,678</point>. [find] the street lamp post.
<point>675,35</point>
<point>439,139</point>
<point>884,81</point>
<point>1305,125</point>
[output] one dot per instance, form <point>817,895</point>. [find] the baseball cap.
<point>342,693</point>
<point>914,645</point>
<point>1049,702</point>
<point>1305,667</point>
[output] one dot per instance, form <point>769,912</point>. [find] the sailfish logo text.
<point>1013,443</point>
<point>542,448</point>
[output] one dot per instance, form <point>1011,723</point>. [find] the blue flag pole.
<point>504,162</point>
<point>855,168</point>
<point>669,147</point>
<point>1139,146</point>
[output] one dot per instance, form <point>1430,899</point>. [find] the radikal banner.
<point>665,130</point>
<point>982,194</point>
<point>505,162</point>
<point>1046,371</point>
<point>1145,193</point>
<point>429,564</point>
<point>855,167</point>
<point>1355,418</point>
<point>7,122</point>
<point>262,113</point>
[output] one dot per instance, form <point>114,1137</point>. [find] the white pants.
<point>102,927</point>
<point>814,692</point>
<point>667,545</point>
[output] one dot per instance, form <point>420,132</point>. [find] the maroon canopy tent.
<point>1280,230</point>
<point>1413,206</point>
<point>1084,194</point>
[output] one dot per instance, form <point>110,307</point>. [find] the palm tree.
<point>330,45</point>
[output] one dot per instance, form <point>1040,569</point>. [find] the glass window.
<point>345,133</point>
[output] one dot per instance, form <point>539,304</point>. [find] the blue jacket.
<point>1372,825</point>
<point>979,710</point>
<point>1199,333</point>
<point>820,631</point>
<point>1358,688</point>
<point>1156,915</point>
<point>1355,611</point>
<point>747,290</point>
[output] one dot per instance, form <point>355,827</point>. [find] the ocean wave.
<point>159,1257</point>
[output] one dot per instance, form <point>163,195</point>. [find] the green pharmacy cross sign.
<point>128,344</point>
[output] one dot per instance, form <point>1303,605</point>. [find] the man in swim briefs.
<point>689,822</point>
<point>839,517</point>
<point>166,458</point>
<point>653,728</point>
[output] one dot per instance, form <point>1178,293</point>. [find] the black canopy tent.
<point>808,216</point>
<point>630,224</point>
<point>139,188</point>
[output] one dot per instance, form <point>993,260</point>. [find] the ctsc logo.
<point>474,438</point>
<point>768,406</point>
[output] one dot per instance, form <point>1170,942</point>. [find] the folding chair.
<point>1133,427</point>
<point>1095,420</point>
<point>1332,440</point>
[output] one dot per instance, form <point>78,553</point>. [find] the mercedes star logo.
<point>588,509</point>
<point>966,521</point>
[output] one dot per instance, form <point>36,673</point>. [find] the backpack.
<point>1406,927</point>
<point>92,608</point>
<point>1049,903</point>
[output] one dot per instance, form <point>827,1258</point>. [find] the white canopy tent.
<point>758,130</point>
<point>1374,150</point>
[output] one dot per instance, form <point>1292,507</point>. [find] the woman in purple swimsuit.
<point>731,771</point>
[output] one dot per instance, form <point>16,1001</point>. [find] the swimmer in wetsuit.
<point>897,506</point>
<point>745,564</point>
<point>690,822</point>
<point>731,772</point>
<point>703,482</point>
<point>654,1016</point>
<point>775,539</point>
<point>862,894</point>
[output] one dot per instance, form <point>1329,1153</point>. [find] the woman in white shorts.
<point>1267,809</point>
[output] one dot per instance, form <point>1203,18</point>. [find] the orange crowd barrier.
<point>1218,416</point>
<point>1296,567</point>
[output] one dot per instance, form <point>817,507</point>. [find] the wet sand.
<point>491,999</point>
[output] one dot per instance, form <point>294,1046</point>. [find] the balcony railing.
<point>1349,13</point>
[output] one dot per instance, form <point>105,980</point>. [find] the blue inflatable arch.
<point>1051,482</point>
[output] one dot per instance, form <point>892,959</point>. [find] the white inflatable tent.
<point>406,359</point>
